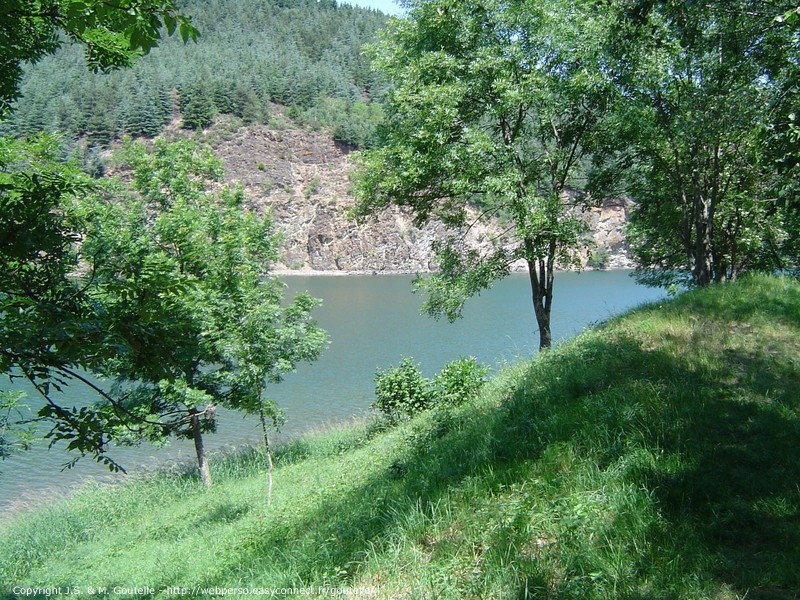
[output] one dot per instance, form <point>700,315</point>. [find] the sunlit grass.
<point>654,457</point>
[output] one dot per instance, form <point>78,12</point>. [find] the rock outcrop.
<point>303,177</point>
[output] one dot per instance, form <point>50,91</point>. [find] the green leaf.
<point>188,31</point>
<point>170,22</point>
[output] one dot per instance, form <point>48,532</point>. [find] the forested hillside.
<point>304,54</point>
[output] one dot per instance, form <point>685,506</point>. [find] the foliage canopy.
<point>160,284</point>
<point>495,108</point>
<point>531,109</point>
<point>709,94</point>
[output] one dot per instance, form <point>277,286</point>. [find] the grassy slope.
<point>655,457</point>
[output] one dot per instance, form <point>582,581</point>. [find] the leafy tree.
<point>494,104</point>
<point>402,391</point>
<point>13,436</point>
<point>782,138</point>
<point>182,275</point>
<point>358,126</point>
<point>51,328</point>
<point>599,258</point>
<point>264,342</point>
<point>702,82</point>
<point>459,380</point>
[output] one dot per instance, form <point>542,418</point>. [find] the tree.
<point>247,105</point>
<point>262,344</point>
<point>182,275</point>
<point>142,113</point>
<point>783,139</point>
<point>702,83</point>
<point>495,108</point>
<point>51,328</point>
<point>358,125</point>
<point>197,105</point>
<point>13,438</point>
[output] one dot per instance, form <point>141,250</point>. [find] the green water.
<point>372,322</point>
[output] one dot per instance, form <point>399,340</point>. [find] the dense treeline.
<point>303,54</point>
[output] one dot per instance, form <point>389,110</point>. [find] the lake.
<point>372,322</point>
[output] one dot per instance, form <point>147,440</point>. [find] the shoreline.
<point>506,348</point>
<point>324,273</point>
<point>320,273</point>
<point>35,500</point>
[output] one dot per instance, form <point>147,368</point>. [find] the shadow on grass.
<point>741,491</point>
<point>726,488</point>
<point>734,499</point>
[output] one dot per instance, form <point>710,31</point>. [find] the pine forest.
<point>302,54</point>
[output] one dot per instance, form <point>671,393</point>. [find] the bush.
<point>460,380</point>
<point>600,258</point>
<point>402,391</point>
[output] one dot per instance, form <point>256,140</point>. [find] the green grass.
<point>653,457</point>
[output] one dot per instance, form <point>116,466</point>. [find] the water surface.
<point>372,322</point>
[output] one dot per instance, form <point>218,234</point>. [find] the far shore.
<point>312,272</point>
<point>322,273</point>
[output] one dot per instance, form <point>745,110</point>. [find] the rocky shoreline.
<point>316,273</point>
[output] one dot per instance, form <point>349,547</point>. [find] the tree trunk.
<point>269,454</point>
<point>541,274</point>
<point>703,240</point>
<point>202,460</point>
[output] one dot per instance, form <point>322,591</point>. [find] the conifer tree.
<point>197,106</point>
<point>247,105</point>
<point>142,118</point>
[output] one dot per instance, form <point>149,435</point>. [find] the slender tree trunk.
<point>541,277</point>
<point>202,460</point>
<point>267,447</point>
<point>720,271</point>
<point>703,209</point>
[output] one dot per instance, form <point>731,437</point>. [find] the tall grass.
<point>653,457</point>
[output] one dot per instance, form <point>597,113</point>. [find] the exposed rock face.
<point>607,226</point>
<point>303,176</point>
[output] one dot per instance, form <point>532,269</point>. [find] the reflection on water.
<point>372,322</point>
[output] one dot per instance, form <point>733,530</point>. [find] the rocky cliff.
<point>303,176</point>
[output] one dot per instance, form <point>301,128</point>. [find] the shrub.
<point>313,187</point>
<point>600,258</point>
<point>460,380</point>
<point>401,391</point>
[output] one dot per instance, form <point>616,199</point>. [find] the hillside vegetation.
<point>302,54</point>
<point>652,457</point>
